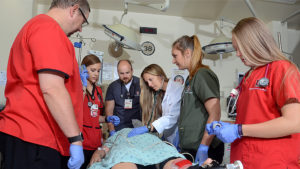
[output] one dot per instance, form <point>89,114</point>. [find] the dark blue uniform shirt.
<point>118,92</point>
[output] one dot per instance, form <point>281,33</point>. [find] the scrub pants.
<point>18,154</point>
<point>215,153</point>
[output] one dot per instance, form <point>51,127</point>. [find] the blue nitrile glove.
<point>176,141</point>
<point>138,131</point>
<point>215,126</point>
<point>76,157</point>
<point>84,75</point>
<point>115,120</point>
<point>228,133</point>
<point>202,154</point>
<point>111,133</point>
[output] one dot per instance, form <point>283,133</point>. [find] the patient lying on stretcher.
<point>139,152</point>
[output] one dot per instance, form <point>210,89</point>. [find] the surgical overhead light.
<point>220,45</point>
<point>124,36</point>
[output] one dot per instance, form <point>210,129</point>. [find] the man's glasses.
<point>86,21</point>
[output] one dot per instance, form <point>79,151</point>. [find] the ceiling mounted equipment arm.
<point>291,16</point>
<point>160,6</point>
<point>123,35</point>
<point>249,4</point>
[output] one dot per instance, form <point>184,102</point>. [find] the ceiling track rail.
<point>249,4</point>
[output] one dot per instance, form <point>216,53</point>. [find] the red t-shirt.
<point>91,131</point>
<point>257,105</point>
<point>41,45</point>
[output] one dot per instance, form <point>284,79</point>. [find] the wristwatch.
<point>76,138</point>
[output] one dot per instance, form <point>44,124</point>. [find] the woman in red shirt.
<point>266,133</point>
<point>93,107</point>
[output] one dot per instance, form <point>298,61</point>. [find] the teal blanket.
<point>145,149</point>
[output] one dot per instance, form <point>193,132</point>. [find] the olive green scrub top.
<point>193,115</point>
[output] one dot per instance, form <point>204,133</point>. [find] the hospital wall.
<point>14,13</point>
<point>169,28</point>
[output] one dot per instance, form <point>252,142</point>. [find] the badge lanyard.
<point>129,98</point>
<point>128,94</point>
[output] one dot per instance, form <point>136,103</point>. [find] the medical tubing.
<point>230,98</point>
<point>234,105</point>
<point>233,93</point>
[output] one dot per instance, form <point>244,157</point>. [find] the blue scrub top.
<point>118,92</point>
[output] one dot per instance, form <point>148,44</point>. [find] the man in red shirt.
<point>42,119</point>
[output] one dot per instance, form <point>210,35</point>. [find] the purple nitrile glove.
<point>228,133</point>
<point>138,131</point>
<point>202,154</point>
<point>215,126</point>
<point>115,120</point>
<point>84,75</point>
<point>76,157</point>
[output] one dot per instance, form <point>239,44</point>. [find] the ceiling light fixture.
<point>219,45</point>
<point>124,36</point>
<point>223,44</point>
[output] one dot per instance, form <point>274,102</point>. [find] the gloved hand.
<point>215,126</point>
<point>228,133</point>
<point>111,133</point>
<point>76,157</point>
<point>84,75</point>
<point>138,131</point>
<point>202,154</point>
<point>115,120</point>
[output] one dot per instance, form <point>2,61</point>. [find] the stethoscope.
<point>264,82</point>
<point>234,94</point>
<point>154,101</point>
<point>93,97</point>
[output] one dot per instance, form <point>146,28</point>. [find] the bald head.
<point>125,71</point>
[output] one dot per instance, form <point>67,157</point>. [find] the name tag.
<point>128,104</point>
<point>94,110</point>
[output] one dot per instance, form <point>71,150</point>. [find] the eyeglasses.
<point>86,21</point>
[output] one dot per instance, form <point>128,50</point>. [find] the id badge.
<point>128,104</point>
<point>94,110</point>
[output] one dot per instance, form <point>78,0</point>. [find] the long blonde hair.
<point>185,42</point>
<point>256,42</point>
<point>258,47</point>
<point>147,95</point>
